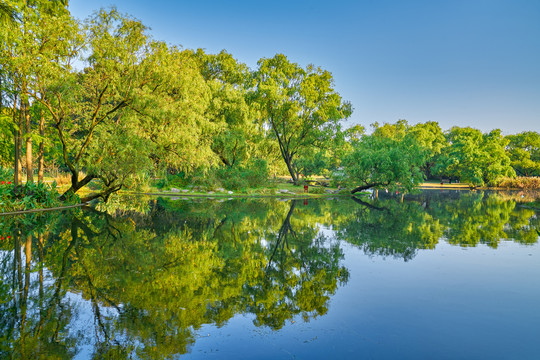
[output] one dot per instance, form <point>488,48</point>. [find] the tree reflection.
<point>153,279</point>
<point>387,227</point>
<point>391,228</point>
<point>153,274</point>
<point>300,275</point>
<point>34,314</point>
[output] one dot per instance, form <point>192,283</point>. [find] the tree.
<point>27,37</point>
<point>235,131</point>
<point>395,131</point>
<point>524,152</point>
<point>429,137</point>
<point>379,161</point>
<point>137,104</point>
<point>299,107</point>
<point>475,157</point>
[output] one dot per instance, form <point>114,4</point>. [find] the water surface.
<point>440,275</point>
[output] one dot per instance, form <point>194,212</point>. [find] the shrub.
<point>521,182</point>
<point>252,174</point>
<point>29,196</point>
<point>6,174</point>
<point>317,190</point>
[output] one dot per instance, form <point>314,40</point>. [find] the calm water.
<point>441,275</point>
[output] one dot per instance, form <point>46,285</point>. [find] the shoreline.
<point>285,195</point>
<point>20,212</point>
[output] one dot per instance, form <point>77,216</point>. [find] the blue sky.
<point>458,62</point>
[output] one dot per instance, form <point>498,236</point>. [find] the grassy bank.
<point>42,196</point>
<point>274,187</point>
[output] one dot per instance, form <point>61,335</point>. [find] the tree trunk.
<point>224,160</point>
<point>29,165</point>
<point>76,185</point>
<point>368,205</point>
<point>291,170</point>
<point>104,195</point>
<point>41,162</point>
<point>365,187</point>
<point>16,154</point>
<point>17,137</point>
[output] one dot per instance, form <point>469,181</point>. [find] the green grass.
<point>273,187</point>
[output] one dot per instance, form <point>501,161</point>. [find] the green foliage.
<point>395,131</point>
<point>524,152</point>
<point>6,174</point>
<point>135,106</point>
<point>29,196</point>
<point>316,190</point>
<point>313,163</point>
<point>380,161</point>
<point>429,137</point>
<point>299,106</point>
<point>520,182</point>
<point>252,174</point>
<point>6,140</point>
<point>474,157</point>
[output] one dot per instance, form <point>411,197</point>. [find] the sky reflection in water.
<point>451,275</point>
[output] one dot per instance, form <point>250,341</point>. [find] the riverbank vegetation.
<point>103,102</point>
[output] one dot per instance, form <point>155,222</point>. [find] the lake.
<point>437,275</point>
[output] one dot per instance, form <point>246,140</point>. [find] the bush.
<point>6,174</point>
<point>317,190</point>
<point>29,196</point>
<point>252,174</point>
<point>521,182</point>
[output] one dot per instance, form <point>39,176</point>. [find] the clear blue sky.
<point>458,62</point>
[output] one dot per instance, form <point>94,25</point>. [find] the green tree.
<point>26,37</point>
<point>136,105</point>
<point>235,130</point>
<point>524,152</point>
<point>299,106</point>
<point>395,131</point>
<point>431,138</point>
<point>379,161</point>
<point>475,157</point>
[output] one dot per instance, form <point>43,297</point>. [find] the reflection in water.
<point>153,279</point>
<point>387,227</point>
<point>154,272</point>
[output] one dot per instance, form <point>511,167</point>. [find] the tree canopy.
<point>299,106</point>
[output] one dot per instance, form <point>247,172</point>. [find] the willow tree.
<point>428,135</point>
<point>383,162</point>
<point>234,129</point>
<point>136,104</point>
<point>299,106</point>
